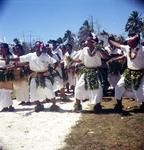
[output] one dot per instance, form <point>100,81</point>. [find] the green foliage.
<point>69,37</point>
<point>99,46</point>
<point>16,41</point>
<point>84,31</point>
<point>133,78</point>
<point>59,40</point>
<point>135,23</point>
<point>91,77</point>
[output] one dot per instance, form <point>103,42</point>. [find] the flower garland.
<point>133,52</point>
<point>94,50</point>
<point>91,52</point>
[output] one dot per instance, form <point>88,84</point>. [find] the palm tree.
<point>134,23</point>
<point>16,41</point>
<point>85,30</point>
<point>69,37</point>
<point>59,40</point>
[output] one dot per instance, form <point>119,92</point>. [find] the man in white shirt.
<point>89,84</point>
<point>40,83</point>
<point>134,75</point>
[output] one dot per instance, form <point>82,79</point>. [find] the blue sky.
<point>49,19</point>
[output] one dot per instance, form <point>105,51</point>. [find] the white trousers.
<point>138,94</point>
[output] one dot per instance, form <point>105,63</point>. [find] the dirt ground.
<point>67,130</point>
<point>108,130</point>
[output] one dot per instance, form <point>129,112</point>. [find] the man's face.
<point>17,51</point>
<point>38,51</point>
<point>91,43</point>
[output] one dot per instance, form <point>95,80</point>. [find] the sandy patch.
<point>27,130</point>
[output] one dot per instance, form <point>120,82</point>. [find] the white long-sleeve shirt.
<point>38,63</point>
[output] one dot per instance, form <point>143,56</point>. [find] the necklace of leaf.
<point>133,52</point>
<point>91,52</point>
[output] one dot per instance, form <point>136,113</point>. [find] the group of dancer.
<point>89,71</point>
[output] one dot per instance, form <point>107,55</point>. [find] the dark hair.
<point>20,47</point>
<point>5,46</point>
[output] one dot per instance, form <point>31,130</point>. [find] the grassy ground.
<point>108,130</point>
